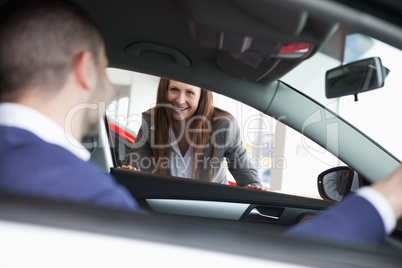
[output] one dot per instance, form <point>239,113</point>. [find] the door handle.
<point>264,213</point>
<point>254,212</point>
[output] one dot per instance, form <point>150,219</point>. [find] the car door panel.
<point>172,195</point>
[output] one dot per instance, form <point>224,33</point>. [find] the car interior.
<point>247,51</point>
<point>244,60</point>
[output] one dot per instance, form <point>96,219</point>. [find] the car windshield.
<point>376,112</point>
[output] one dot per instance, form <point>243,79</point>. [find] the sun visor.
<point>248,65</point>
<point>255,37</point>
<point>272,14</point>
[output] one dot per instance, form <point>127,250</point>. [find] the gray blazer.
<point>228,144</point>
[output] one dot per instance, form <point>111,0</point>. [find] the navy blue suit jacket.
<point>354,220</point>
<point>31,166</point>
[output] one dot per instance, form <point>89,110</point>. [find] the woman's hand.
<point>257,187</point>
<point>129,168</point>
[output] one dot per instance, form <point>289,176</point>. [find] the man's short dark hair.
<point>39,43</point>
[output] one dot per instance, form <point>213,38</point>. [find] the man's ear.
<point>84,70</point>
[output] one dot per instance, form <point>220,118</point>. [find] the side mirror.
<point>335,183</point>
<point>355,77</point>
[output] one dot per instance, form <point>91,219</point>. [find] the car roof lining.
<point>180,15</point>
<point>172,15</point>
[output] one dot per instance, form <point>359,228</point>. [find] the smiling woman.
<point>186,136</point>
<point>184,99</point>
<point>285,160</point>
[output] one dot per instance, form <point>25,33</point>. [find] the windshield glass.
<point>376,112</point>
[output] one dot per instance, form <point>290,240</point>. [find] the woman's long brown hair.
<point>202,119</point>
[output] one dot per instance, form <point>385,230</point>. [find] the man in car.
<point>52,83</point>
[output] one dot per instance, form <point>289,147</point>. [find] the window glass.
<point>287,161</point>
<point>376,112</point>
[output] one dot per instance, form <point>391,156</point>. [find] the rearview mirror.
<point>335,183</point>
<point>355,77</point>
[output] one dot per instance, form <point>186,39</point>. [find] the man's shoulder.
<point>16,143</point>
<point>14,135</point>
<point>34,167</point>
<point>19,147</point>
<point>25,144</point>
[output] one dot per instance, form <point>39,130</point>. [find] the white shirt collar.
<point>20,116</point>
<point>180,166</point>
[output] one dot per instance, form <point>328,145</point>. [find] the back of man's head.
<point>39,42</point>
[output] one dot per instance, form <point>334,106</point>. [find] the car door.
<point>173,195</point>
